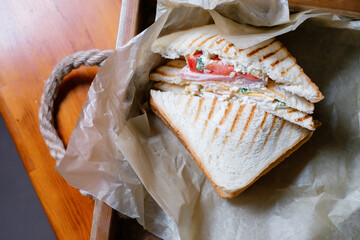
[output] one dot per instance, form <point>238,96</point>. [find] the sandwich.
<point>239,112</point>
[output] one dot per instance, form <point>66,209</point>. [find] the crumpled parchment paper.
<point>126,157</point>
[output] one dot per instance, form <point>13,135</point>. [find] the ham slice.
<point>187,74</point>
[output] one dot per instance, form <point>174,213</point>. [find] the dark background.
<point>21,214</point>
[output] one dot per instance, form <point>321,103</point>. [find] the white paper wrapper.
<point>131,161</point>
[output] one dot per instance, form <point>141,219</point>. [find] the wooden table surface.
<point>34,36</point>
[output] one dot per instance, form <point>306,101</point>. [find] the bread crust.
<point>179,135</point>
<point>221,191</point>
<point>272,165</point>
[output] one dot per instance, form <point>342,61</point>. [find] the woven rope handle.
<point>46,111</point>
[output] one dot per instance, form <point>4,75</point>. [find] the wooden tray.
<point>135,16</point>
<point>107,223</point>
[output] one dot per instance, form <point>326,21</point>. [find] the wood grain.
<point>101,221</point>
<point>35,35</point>
<point>128,21</point>
<point>128,26</point>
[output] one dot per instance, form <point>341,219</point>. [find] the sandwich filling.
<point>224,93</point>
<point>202,66</point>
<point>206,75</point>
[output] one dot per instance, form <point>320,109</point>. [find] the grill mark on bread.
<point>274,63</point>
<point>203,42</point>
<point>212,108</point>
<point>220,41</point>
<point>179,99</point>
<point>303,118</point>
<point>228,47</point>
<point>251,116</point>
<point>253,141</point>
<point>235,121</point>
<point>291,131</point>
<point>271,54</point>
<point>276,92</point>
<point>292,110</point>
<point>182,42</point>
<point>210,115</point>
<point>215,134</point>
<point>253,52</point>
<point>195,40</point>
<point>226,139</point>
<point>281,129</point>
<point>171,41</point>
<point>279,61</point>
<point>199,108</point>
<point>189,101</point>
<point>301,73</point>
<point>263,121</point>
<point>275,120</point>
<point>212,43</point>
<point>237,118</point>
<point>289,68</point>
<point>258,131</point>
<point>227,111</point>
<point>188,104</point>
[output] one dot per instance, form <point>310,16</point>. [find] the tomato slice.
<point>198,54</point>
<point>217,67</point>
<point>192,62</point>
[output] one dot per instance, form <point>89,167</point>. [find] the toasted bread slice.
<point>290,114</point>
<point>270,57</point>
<point>234,143</point>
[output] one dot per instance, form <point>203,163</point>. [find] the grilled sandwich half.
<point>239,112</point>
